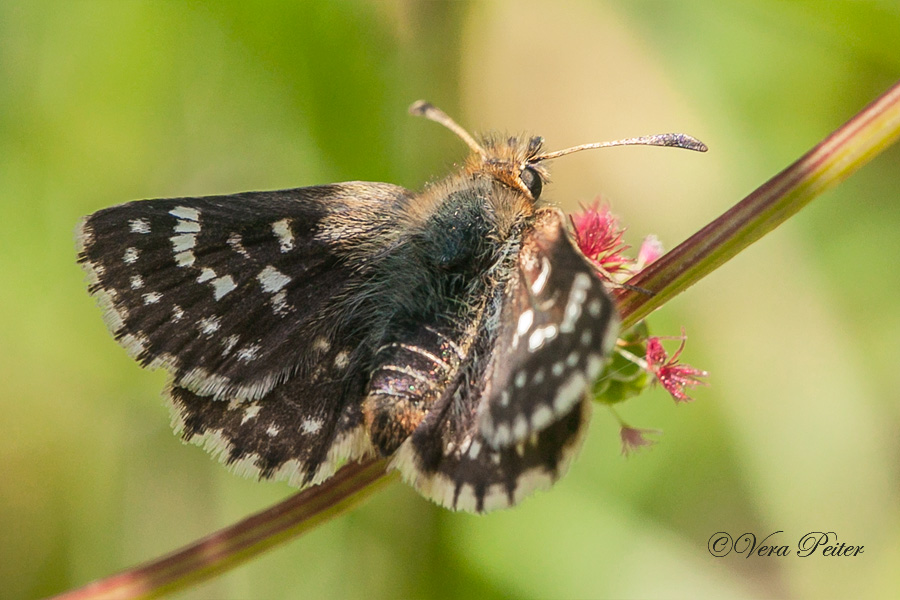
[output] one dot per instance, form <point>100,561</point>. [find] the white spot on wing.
<point>185,259</point>
<point>466,499</point>
<point>520,379</point>
<point>249,353</point>
<point>134,342</point>
<point>250,413</point>
<point>152,298</point>
<point>610,336</point>
<point>206,274</point>
<point>209,325</point>
<point>542,417</point>
<point>137,282</point>
<point>272,280</point>
<point>183,241</point>
<point>502,435</point>
<point>541,335</point>
<point>525,321</point>
<point>279,303</point>
<point>520,427</point>
<point>185,212</point>
<point>573,389</point>
<point>234,240</point>
<point>496,497</point>
<point>177,313</point>
<point>577,296</point>
<point>282,230</point>
<point>230,342</point>
<point>272,431</point>
<point>223,285</point>
<point>187,227</point>
<point>538,286</point>
<point>139,226</point>
<point>475,449</point>
<point>595,365</point>
<point>311,426</point>
<point>130,256</point>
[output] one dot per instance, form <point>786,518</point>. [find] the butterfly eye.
<point>532,181</point>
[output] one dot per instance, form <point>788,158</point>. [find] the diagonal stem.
<point>830,162</point>
<point>235,544</point>
<point>823,167</point>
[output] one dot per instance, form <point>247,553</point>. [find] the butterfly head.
<point>513,161</point>
<point>517,162</point>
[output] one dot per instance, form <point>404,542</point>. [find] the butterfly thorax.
<point>454,232</point>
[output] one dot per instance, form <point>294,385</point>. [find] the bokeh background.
<point>107,101</point>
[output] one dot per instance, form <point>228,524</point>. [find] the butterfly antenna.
<point>674,140</point>
<point>431,112</point>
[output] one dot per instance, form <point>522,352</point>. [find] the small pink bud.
<point>634,438</point>
<point>651,249</point>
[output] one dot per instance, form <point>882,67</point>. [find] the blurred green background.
<point>104,102</point>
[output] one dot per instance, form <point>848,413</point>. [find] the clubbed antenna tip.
<point>421,108</point>
<point>672,140</point>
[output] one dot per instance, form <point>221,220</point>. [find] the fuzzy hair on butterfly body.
<point>456,330</point>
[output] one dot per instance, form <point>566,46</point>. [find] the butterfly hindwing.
<point>452,457</point>
<point>233,294</point>
<point>448,461</point>
<point>557,329</point>
<point>301,431</point>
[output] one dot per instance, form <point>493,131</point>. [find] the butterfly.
<point>456,330</point>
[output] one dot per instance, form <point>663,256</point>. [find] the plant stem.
<point>823,167</point>
<point>237,543</point>
<point>833,160</point>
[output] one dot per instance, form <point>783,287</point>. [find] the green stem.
<point>844,151</point>
<point>240,542</point>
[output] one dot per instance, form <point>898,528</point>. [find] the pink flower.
<point>651,249</point>
<point>633,438</point>
<point>599,237</point>
<point>673,375</point>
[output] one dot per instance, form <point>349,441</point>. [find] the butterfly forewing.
<point>232,294</point>
<point>236,296</point>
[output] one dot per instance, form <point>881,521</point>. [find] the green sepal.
<point>623,378</point>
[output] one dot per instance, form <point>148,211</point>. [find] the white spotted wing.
<point>237,297</point>
<point>557,329</point>
<point>234,294</point>
<point>507,425</point>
